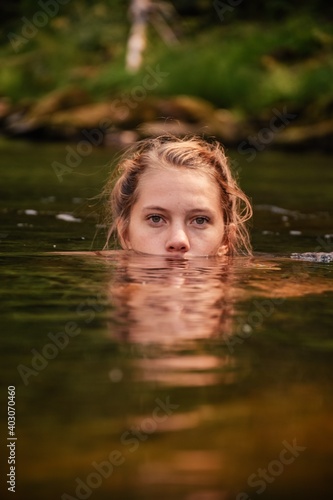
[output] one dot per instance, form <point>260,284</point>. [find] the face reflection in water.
<point>163,300</point>
<point>166,340</point>
<point>164,306</point>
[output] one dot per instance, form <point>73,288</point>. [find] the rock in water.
<point>314,256</point>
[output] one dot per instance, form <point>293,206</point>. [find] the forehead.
<point>179,184</point>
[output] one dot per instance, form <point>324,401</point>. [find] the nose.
<point>177,241</point>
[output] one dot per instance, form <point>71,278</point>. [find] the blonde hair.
<point>193,153</point>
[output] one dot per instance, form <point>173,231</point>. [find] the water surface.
<point>145,378</point>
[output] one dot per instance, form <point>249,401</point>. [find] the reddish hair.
<point>190,152</point>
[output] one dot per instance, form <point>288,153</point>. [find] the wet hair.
<point>192,153</point>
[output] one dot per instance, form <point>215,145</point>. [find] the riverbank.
<point>71,115</point>
<point>250,84</point>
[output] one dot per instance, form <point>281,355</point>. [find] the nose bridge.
<point>178,239</point>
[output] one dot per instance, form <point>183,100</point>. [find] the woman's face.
<point>178,214</point>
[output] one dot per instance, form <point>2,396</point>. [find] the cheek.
<point>135,235</point>
<point>219,237</point>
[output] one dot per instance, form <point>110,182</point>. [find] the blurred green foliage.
<point>249,57</point>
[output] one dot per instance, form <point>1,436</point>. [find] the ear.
<point>223,250</point>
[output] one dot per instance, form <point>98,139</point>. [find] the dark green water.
<point>142,378</point>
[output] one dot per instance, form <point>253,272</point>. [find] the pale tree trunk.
<point>139,11</point>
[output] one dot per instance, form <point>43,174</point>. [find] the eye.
<point>200,221</point>
<point>155,219</point>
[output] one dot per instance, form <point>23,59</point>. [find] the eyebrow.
<point>192,211</point>
<point>155,207</point>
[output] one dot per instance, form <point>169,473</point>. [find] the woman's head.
<point>178,197</point>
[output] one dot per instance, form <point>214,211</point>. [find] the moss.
<point>245,66</point>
